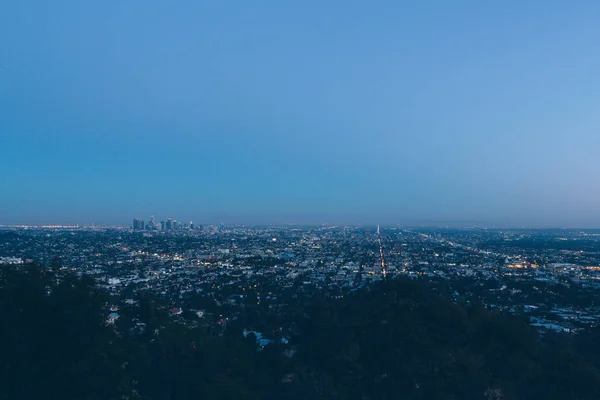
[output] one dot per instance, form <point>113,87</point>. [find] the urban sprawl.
<point>214,274</point>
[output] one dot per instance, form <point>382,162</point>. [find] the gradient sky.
<point>312,111</point>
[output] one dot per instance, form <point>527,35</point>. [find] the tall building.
<point>169,224</point>
<point>152,223</point>
<point>138,224</point>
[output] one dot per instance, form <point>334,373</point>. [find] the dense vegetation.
<point>396,341</point>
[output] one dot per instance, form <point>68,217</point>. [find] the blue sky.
<point>273,112</point>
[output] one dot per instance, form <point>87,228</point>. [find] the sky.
<point>389,112</point>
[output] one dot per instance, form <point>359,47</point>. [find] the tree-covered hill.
<point>397,340</point>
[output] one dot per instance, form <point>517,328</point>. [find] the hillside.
<point>397,340</point>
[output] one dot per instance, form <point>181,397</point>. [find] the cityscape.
<point>315,200</point>
<point>210,274</point>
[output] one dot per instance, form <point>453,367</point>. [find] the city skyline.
<point>340,113</point>
<point>300,200</point>
<point>185,223</point>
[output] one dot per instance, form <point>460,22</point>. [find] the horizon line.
<point>440,225</point>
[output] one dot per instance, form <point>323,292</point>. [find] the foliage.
<point>397,340</point>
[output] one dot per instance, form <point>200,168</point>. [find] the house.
<point>112,317</point>
<point>176,311</point>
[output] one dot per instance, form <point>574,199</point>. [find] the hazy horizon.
<point>409,224</point>
<point>265,112</point>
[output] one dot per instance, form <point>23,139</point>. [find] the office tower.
<point>138,224</point>
<point>169,224</point>
<point>163,225</point>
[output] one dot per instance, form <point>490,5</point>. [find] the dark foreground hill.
<point>396,341</point>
